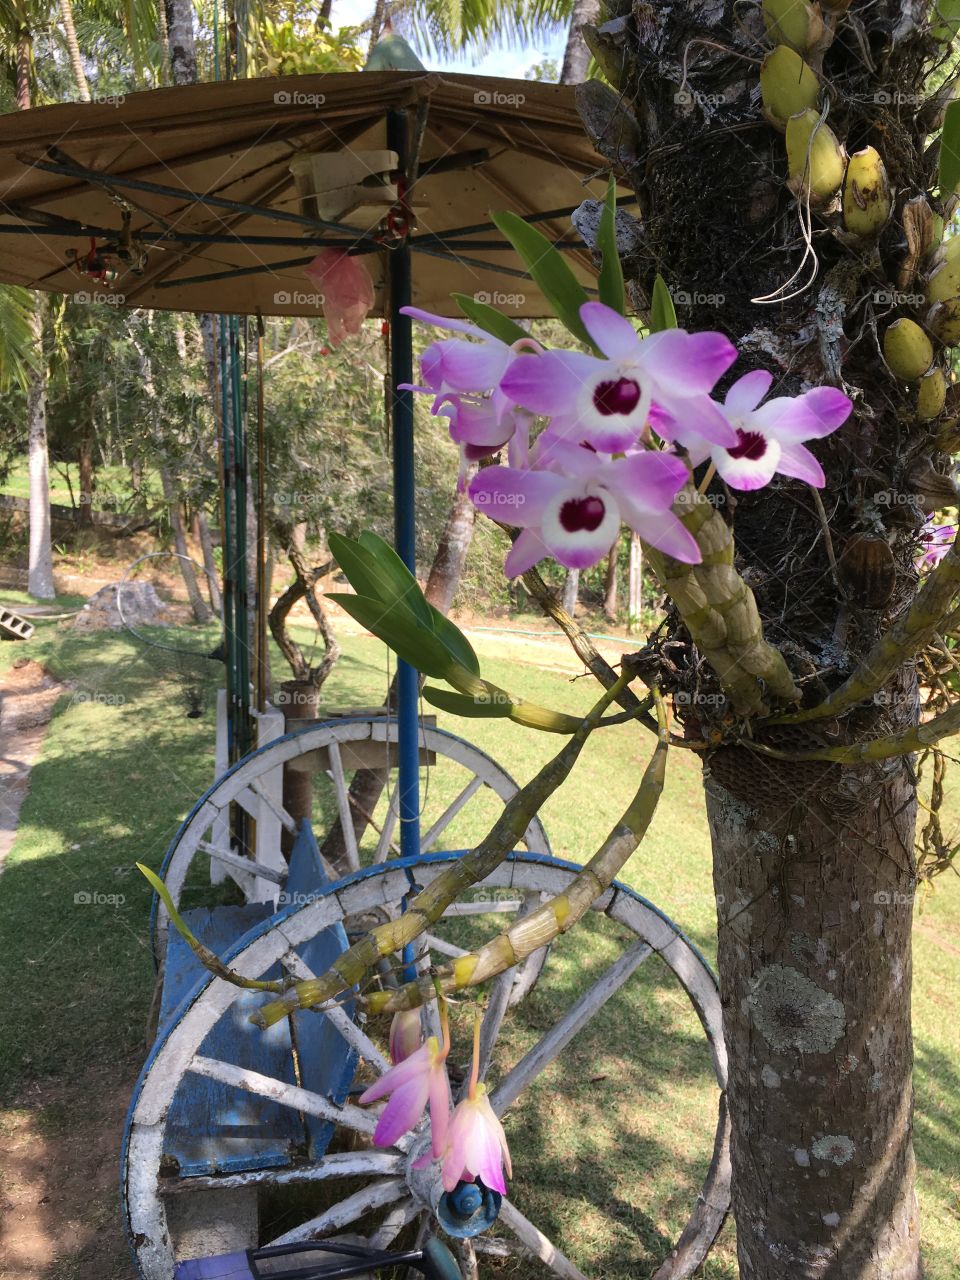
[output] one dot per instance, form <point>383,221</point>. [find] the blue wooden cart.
<point>236,1138</point>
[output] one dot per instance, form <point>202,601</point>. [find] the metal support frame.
<point>404,500</point>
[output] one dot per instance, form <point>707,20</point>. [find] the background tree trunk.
<point>635,584</point>
<point>813,866</point>
<point>180,41</point>
<point>86,480</point>
<point>571,588</point>
<point>576,55</point>
<point>610,583</point>
<point>73,50</point>
<point>40,563</point>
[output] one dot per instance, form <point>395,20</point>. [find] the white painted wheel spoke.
<point>278,811</point>
<point>239,863</point>
<point>343,1164</point>
<point>389,823</point>
<point>353,1034</point>
<point>448,815</point>
<point>538,1244</point>
<point>430,1014</point>
<point>467,1257</point>
<point>288,1095</point>
<point>576,1017</point>
<point>343,806</point>
<point>493,1017</point>
<point>445,948</point>
<point>374,1196</point>
<point>393,1223</point>
<point>498,906</point>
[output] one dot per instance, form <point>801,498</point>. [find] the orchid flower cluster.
<point>470,1143</point>
<point>623,430</point>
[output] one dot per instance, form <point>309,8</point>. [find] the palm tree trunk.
<point>73,50</point>
<point>814,865</point>
<point>576,55</point>
<point>40,564</point>
<point>180,41</point>
<point>23,71</point>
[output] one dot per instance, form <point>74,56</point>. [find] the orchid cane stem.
<point>538,929</point>
<point>352,965</point>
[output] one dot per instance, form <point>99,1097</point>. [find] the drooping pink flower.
<point>348,293</point>
<point>574,511</point>
<point>405,1035</point>
<point>770,436</point>
<point>412,1084</point>
<point>477,1145</point>
<point>606,402</point>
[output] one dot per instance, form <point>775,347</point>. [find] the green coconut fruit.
<point>793,22</point>
<point>787,85</point>
<point>943,321</point>
<point>932,395</point>
<point>907,350</point>
<point>943,280</point>
<point>866,194</point>
<point>814,157</point>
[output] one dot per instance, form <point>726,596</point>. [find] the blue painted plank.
<point>327,1063</point>
<point>228,1266</point>
<point>214,1127</point>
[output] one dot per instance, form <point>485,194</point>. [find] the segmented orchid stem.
<point>541,927</point>
<point>913,631</point>
<point>352,965</point>
<point>719,610</point>
<point>918,738</point>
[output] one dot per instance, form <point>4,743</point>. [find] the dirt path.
<point>28,695</point>
<point>59,1204</point>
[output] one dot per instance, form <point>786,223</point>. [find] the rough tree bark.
<point>610,584</point>
<point>813,865</point>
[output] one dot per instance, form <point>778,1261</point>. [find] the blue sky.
<point>512,62</point>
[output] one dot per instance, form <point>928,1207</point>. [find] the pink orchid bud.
<point>405,1035</point>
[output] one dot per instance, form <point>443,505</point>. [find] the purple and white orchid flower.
<point>573,511</point>
<point>770,436</point>
<point>606,403</point>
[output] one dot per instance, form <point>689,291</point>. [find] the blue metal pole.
<point>404,497</point>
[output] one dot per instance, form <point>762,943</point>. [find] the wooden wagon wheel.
<point>337,743</point>
<point>392,1194</point>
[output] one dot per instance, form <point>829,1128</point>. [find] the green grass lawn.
<point>612,1141</point>
<point>113,489</point>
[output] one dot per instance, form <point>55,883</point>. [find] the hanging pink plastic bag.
<point>347,291</point>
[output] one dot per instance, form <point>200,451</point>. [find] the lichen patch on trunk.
<point>791,1012</point>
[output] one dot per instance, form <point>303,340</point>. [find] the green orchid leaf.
<point>375,570</point>
<point>662,312</point>
<point>454,641</point>
<point>545,264</point>
<point>610,282</point>
<point>460,704</point>
<point>490,319</point>
<point>399,628</point>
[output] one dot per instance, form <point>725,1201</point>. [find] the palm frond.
<point>448,28</point>
<point>18,349</point>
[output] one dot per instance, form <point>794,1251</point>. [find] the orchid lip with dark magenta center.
<point>621,395</point>
<point>582,515</point>
<point>750,444</point>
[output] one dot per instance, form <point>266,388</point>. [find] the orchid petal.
<point>610,331</point>
<point>747,392</point>
<point>796,460</point>
<point>691,419</point>
<point>686,363</point>
<point>453,323</point>
<point>478,424</point>
<point>440,1102</point>
<point>515,497</point>
<point>418,1063</point>
<point>403,1112</point>
<point>548,383</point>
<point>649,480</point>
<point>662,530</point>
<point>528,550</point>
<point>470,366</point>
